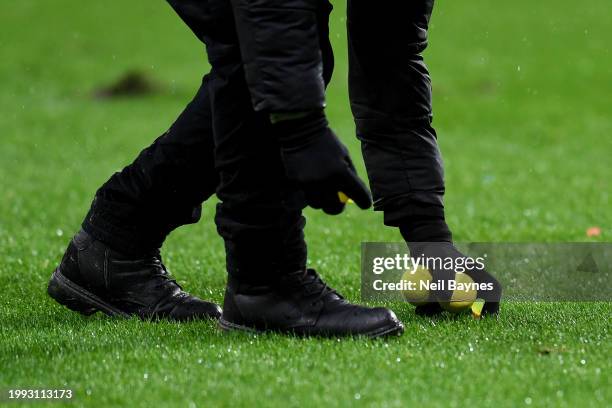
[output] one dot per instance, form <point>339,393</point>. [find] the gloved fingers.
<point>356,189</point>
<point>349,161</point>
<point>342,149</point>
<point>313,201</point>
<point>313,195</point>
<point>333,205</point>
<point>334,209</point>
<point>324,199</point>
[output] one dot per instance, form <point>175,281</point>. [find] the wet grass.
<point>523,121</point>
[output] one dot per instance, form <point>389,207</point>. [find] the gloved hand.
<point>320,164</point>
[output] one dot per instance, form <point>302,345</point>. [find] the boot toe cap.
<point>385,322</point>
<point>196,309</point>
<point>359,320</point>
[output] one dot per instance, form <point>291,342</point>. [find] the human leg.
<point>390,91</point>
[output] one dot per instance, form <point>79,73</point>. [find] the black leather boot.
<point>92,277</point>
<point>301,303</point>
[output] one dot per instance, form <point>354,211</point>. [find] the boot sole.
<point>388,331</point>
<point>79,299</point>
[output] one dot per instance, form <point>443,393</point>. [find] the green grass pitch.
<point>522,104</point>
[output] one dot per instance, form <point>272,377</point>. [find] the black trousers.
<point>219,144</point>
<point>390,92</point>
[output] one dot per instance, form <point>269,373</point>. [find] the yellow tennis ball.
<point>418,293</point>
<point>464,294</point>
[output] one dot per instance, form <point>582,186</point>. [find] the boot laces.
<point>312,284</point>
<point>159,270</point>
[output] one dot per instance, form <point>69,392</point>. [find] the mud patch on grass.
<point>129,85</point>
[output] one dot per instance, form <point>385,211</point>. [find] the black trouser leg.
<point>163,188</point>
<point>260,212</point>
<point>390,94</point>
<point>259,216</point>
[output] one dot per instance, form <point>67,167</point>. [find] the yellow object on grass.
<point>418,292</point>
<point>464,294</point>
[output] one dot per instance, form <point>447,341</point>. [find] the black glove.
<point>315,159</point>
<point>445,251</point>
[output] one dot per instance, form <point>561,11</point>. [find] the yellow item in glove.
<point>344,198</point>
<point>462,299</point>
